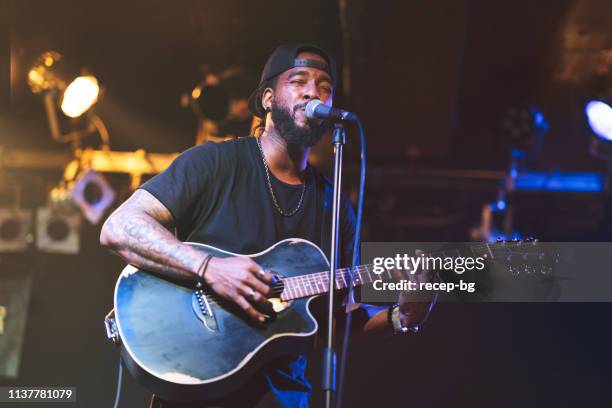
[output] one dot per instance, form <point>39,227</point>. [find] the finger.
<point>266,276</point>
<point>258,301</point>
<point>250,310</point>
<point>399,274</point>
<point>422,268</point>
<point>258,285</point>
<point>261,273</point>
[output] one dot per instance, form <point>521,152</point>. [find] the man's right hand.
<point>240,280</point>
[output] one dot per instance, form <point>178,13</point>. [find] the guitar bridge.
<point>202,309</point>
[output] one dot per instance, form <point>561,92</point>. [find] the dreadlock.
<point>259,127</point>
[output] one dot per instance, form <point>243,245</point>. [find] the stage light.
<point>220,105</point>
<point>80,95</point>
<point>42,76</point>
<point>93,195</point>
<point>58,230</point>
<point>73,93</point>
<point>599,116</point>
<point>15,229</point>
<point>88,191</point>
<point>525,126</point>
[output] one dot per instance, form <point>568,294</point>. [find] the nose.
<point>311,91</point>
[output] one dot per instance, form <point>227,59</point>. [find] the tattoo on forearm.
<point>144,242</point>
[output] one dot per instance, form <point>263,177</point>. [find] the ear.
<point>266,99</point>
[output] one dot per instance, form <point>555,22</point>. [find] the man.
<point>243,196</point>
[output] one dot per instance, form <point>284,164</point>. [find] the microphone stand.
<point>329,357</point>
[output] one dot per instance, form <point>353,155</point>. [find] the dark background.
<point>430,80</point>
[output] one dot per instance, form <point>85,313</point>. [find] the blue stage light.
<point>599,115</point>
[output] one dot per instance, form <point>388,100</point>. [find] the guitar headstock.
<point>523,257</point>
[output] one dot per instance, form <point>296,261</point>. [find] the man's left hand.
<point>415,305</point>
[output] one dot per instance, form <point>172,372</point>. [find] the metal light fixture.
<point>93,195</point>
<point>219,103</point>
<point>525,126</point>
<point>58,230</point>
<point>84,189</point>
<point>71,92</point>
<point>77,96</point>
<point>15,229</point>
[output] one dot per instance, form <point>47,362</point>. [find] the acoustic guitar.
<point>185,343</point>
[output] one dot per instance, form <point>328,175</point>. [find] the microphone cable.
<point>119,381</point>
<point>355,261</point>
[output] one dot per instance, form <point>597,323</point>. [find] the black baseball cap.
<point>284,58</point>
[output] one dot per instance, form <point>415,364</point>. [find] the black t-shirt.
<point>218,195</point>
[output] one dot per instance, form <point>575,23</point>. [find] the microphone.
<point>317,109</point>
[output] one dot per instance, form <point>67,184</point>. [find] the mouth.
<point>300,108</point>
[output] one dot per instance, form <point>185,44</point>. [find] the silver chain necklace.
<point>278,208</point>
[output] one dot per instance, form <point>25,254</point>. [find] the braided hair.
<point>258,129</point>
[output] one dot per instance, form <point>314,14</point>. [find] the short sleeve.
<point>187,179</point>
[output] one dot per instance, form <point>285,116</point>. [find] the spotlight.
<point>80,95</point>
<point>220,105</point>
<point>93,195</point>
<point>70,91</point>
<point>89,192</point>
<point>15,229</point>
<point>57,230</point>
<point>48,74</point>
<point>599,117</point>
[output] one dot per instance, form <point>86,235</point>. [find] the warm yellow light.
<point>80,95</point>
<point>34,76</point>
<point>197,91</point>
<point>41,76</point>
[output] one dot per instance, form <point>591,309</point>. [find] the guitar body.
<point>189,345</point>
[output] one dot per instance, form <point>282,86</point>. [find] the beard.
<point>307,135</point>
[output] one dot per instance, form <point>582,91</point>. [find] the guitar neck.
<point>296,287</point>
